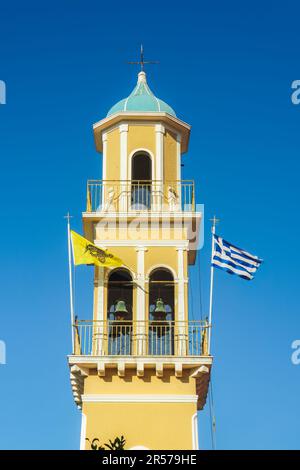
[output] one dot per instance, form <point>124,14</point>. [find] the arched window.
<point>119,312</point>
<point>141,176</point>
<point>161,312</point>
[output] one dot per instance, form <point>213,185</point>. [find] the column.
<point>124,188</point>
<point>100,326</point>
<point>159,186</point>
<point>141,314</point>
<point>182,326</point>
<point>180,190</point>
<point>103,194</point>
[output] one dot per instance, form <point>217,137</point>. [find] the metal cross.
<point>214,221</point>
<point>142,62</point>
<point>68,217</point>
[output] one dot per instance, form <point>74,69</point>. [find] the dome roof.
<point>141,100</point>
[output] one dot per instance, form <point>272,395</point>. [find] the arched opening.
<point>119,312</point>
<point>141,176</point>
<point>161,312</point>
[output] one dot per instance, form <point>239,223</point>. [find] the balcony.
<point>141,348</point>
<point>141,338</point>
<point>113,196</point>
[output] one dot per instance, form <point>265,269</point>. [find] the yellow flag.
<point>85,252</point>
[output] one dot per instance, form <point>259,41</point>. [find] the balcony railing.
<point>132,196</point>
<point>141,338</point>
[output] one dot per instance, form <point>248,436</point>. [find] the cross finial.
<point>214,221</point>
<point>142,62</point>
<point>68,216</point>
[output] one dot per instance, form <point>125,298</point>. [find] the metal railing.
<point>132,196</point>
<point>143,338</point>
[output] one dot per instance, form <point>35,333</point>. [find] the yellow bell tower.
<point>140,368</point>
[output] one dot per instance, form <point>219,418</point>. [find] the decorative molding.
<point>178,369</point>
<point>121,369</point>
<point>139,244</point>
<point>101,369</point>
<point>161,266</point>
<point>149,361</point>
<point>160,128</point>
<point>141,248</point>
<point>123,128</point>
<point>159,370</point>
<point>77,376</point>
<point>140,370</point>
<point>177,216</point>
<point>75,369</point>
<point>141,398</point>
<point>200,371</point>
<point>123,115</point>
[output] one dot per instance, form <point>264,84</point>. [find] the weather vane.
<point>142,62</point>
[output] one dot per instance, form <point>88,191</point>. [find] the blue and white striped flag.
<point>234,260</point>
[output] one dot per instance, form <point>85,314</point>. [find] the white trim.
<point>153,215</point>
<point>104,155</point>
<point>162,266</point>
<point>124,398</point>
<point>136,243</point>
<point>125,114</point>
<point>83,431</point>
<point>140,292</point>
<point>195,431</point>
<point>180,258</point>
<point>159,145</point>
<point>141,300</point>
<point>178,148</point>
<point>100,311</point>
<point>123,151</point>
<point>142,150</point>
<point>181,303</point>
<point>123,160</point>
<point>139,448</point>
<point>100,294</point>
<point>188,362</point>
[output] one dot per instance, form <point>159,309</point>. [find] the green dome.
<point>141,100</point>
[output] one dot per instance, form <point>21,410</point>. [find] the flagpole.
<point>214,222</point>
<point>68,217</point>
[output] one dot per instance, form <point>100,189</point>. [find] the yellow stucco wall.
<point>113,155</point>
<point>170,156</point>
<point>156,426</point>
<point>152,425</point>
<point>141,136</point>
<point>150,383</point>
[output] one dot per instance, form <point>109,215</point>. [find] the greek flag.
<point>234,260</point>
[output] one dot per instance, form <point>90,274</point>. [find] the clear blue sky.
<point>226,68</point>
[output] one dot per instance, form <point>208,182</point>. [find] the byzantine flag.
<point>85,252</point>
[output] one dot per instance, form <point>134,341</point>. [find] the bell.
<point>160,307</point>
<point>121,308</point>
<point>160,311</point>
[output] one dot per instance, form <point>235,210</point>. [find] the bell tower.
<point>140,367</point>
